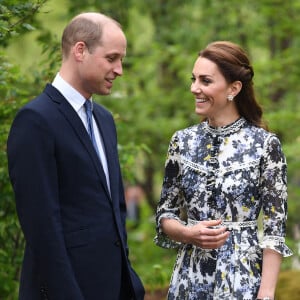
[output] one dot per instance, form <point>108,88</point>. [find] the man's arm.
<point>33,173</point>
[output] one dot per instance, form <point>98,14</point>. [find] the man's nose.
<point>118,68</point>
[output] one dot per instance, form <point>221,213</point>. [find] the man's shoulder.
<point>49,92</point>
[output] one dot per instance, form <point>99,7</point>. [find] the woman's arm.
<point>270,271</point>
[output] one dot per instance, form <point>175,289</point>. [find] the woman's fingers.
<point>209,234</point>
<point>213,241</point>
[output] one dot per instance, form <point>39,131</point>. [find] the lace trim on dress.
<point>239,226</point>
<point>225,130</point>
<point>193,166</point>
<point>221,171</point>
<point>276,243</point>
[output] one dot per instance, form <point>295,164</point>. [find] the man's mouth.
<point>109,82</point>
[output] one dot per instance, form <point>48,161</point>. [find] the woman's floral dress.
<point>231,173</point>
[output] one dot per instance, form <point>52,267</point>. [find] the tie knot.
<point>88,105</point>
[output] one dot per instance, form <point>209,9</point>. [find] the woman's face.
<point>211,90</point>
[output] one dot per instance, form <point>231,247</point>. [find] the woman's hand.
<point>205,234</point>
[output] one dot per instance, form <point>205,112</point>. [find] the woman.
<point>219,175</point>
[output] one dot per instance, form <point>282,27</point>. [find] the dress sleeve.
<point>274,197</point>
<point>171,201</point>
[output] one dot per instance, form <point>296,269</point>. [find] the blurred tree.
<point>16,18</point>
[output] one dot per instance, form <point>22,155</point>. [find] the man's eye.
<point>193,79</point>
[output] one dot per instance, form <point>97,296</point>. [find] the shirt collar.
<point>71,94</point>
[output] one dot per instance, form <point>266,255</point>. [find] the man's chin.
<point>104,92</point>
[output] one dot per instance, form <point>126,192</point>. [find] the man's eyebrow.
<point>115,53</point>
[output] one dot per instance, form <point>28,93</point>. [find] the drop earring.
<point>230,97</point>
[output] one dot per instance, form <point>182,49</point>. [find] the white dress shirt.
<point>77,102</point>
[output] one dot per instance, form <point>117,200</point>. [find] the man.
<point>69,192</point>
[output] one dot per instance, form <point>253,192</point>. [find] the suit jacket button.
<point>43,293</point>
<point>117,243</point>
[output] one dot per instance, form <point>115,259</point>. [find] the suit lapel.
<point>75,122</point>
<point>107,131</point>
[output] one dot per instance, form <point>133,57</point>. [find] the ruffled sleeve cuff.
<point>276,243</point>
<point>161,239</point>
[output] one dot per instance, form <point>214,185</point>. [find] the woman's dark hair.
<point>234,65</point>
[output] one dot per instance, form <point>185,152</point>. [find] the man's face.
<point>100,67</point>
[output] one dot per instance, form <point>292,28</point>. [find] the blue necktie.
<point>88,109</point>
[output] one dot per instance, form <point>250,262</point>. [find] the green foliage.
<point>17,17</point>
<point>288,286</point>
<point>11,239</point>
<point>152,263</point>
<point>285,124</point>
<point>128,154</point>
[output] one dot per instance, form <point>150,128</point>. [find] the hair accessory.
<point>230,97</point>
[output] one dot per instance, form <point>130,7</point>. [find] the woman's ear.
<point>236,87</point>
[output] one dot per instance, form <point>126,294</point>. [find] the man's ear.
<point>79,50</point>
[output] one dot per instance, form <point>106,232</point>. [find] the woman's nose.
<point>195,88</point>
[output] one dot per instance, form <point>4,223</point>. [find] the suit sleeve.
<point>34,175</point>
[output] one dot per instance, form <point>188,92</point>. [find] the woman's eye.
<point>206,80</point>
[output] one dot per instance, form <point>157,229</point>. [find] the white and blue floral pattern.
<point>232,173</point>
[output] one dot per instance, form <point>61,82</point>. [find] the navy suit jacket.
<point>76,244</point>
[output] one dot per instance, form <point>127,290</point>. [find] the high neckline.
<point>227,129</point>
